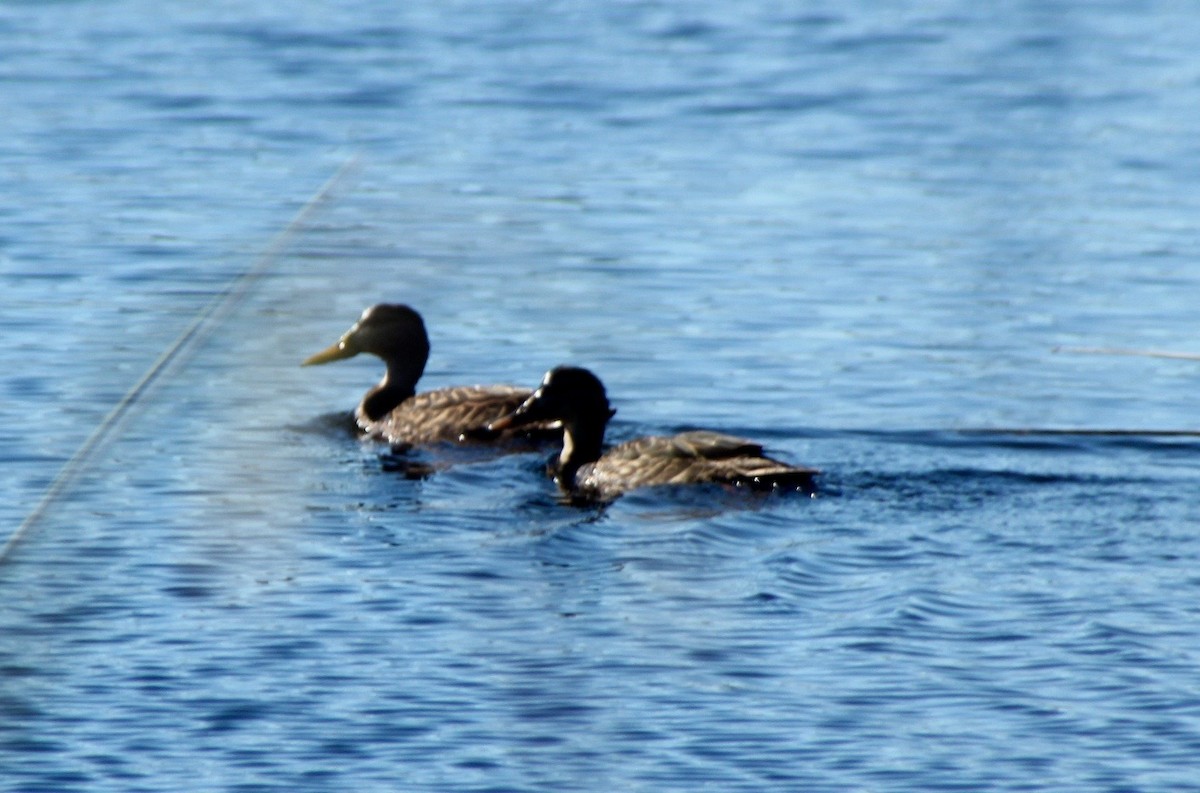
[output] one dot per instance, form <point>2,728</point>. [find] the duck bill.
<point>336,352</point>
<point>503,423</point>
<point>518,418</point>
<point>530,412</point>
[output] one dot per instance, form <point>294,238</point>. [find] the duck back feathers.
<point>458,414</point>
<point>688,458</point>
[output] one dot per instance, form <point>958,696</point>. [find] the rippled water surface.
<point>881,241</point>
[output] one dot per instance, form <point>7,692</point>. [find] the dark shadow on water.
<point>1048,439</point>
<point>406,466</point>
<point>1156,442</point>
<point>968,479</point>
<point>329,425</point>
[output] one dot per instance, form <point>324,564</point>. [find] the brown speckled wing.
<point>713,445</point>
<point>688,458</point>
<point>456,414</point>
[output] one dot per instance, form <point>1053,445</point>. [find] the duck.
<point>575,399</point>
<point>393,411</point>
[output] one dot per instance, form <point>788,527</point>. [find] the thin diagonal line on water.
<point>208,318</point>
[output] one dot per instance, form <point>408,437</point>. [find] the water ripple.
<point>875,228</point>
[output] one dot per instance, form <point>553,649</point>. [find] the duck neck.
<point>582,444</point>
<point>397,385</point>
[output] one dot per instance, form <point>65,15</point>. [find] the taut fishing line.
<point>203,324</point>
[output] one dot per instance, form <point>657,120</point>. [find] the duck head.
<point>391,331</point>
<point>575,398</point>
<point>567,394</point>
<point>395,333</point>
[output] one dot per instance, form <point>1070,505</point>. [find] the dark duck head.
<point>396,334</point>
<point>575,398</point>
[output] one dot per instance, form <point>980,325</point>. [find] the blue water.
<point>857,235</point>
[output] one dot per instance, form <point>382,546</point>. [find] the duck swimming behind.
<point>576,398</point>
<point>395,412</point>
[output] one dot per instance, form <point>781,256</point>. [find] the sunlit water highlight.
<point>857,236</point>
